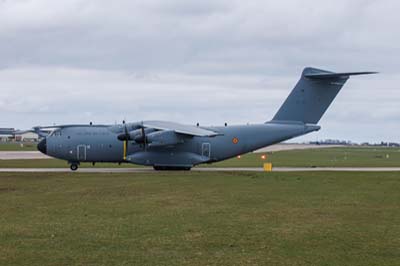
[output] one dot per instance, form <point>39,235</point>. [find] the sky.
<point>210,61</point>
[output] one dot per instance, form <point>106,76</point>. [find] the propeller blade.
<point>38,130</point>
<point>126,137</point>
<point>126,131</point>
<point>144,138</point>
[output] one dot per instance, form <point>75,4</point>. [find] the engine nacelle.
<point>136,135</point>
<point>163,138</point>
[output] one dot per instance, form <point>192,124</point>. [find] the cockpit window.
<point>55,133</point>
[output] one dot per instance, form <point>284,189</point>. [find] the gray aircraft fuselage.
<point>93,143</point>
<point>167,145</point>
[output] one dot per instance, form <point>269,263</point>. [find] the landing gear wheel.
<point>74,167</point>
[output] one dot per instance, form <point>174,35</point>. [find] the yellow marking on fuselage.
<point>125,144</point>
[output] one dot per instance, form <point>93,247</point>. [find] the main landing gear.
<point>171,168</point>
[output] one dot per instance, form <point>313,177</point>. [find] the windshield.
<point>56,132</point>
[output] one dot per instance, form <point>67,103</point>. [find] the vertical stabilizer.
<point>312,95</point>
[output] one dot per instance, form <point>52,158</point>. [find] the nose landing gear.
<point>74,166</point>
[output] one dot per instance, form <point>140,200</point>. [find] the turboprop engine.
<point>163,138</point>
<point>137,135</point>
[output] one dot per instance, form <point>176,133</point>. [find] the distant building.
<point>394,144</point>
<point>26,137</point>
<point>10,134</point>
<point>7,134</point>
<point>331,142</point>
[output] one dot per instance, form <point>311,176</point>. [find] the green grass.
<point>197,218</point>
<point>27,146</point>
<point>329,157</point>
<point>339,157</point>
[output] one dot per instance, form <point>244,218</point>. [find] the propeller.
<point>124,136</point>
<point>138,135</point>
<point>142,138</point>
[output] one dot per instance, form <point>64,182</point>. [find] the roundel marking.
<point>235,140</point>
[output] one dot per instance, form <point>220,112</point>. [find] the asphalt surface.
<point>203,169</point>
<point>294,146</point>
<point>22,155</point>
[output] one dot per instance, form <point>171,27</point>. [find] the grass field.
<point>327,157</point>
<point>197,218</point>
<point>340,157</point>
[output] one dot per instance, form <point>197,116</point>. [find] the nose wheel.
<point>73,166</point>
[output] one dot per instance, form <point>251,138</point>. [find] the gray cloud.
<point>207,61</point>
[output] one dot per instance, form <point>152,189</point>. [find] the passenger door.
<point>81,152</point>
<point>206,149</point>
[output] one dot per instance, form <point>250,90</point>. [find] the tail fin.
<point>312,95</point>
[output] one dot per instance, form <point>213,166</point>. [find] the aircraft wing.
<point>69,125</point>
<point>179,128</point>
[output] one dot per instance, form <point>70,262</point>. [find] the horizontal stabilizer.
<point>330,75</point>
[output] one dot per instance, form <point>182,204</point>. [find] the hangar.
<point>10,134</point>
<point>7,134</point>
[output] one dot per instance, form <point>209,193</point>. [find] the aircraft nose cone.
<point>42,146</point>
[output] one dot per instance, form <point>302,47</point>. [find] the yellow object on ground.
<point>267,167</point>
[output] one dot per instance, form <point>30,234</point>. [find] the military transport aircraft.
<point>173,146</point>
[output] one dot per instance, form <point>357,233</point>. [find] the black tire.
<point>74,167</point>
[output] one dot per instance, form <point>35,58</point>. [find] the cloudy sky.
<point>210,61</point>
